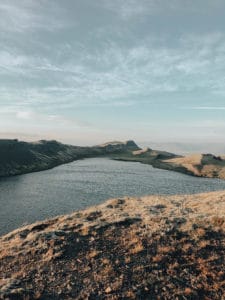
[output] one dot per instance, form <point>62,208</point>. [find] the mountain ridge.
<point>18,157</point>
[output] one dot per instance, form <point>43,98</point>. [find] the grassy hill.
<point>153,247</point>
<point>17,157</point>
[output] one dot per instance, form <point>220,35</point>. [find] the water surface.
<point>36,196</point>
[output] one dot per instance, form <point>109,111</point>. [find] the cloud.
<point>28,15</point>
<point>15,114</point>
<point>33,125</point>
<point>114,74</point>
<point>25,115</point>
<point>128,9</point>
<point>107,71</point>
<point>207,107</point>
<point>58,59</point>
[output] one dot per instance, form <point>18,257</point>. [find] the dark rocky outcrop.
<point>119,146</point>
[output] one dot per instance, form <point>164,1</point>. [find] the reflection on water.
<point>36,196</point>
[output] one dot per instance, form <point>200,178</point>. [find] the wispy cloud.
<point>27,15</point>
<point>127,9</point>
<point>33,125</point>
<point>116,75</point>
<point>62,59</point>
<point>207,107</point>
<point>26,116</point>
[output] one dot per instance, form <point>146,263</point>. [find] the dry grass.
<point>121,250</point>
<point>138,247</point>
<point>92,254</point>
<point>199,165</point>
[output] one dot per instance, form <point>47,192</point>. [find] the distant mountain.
<point>185,148</point>
<point>17,157</point>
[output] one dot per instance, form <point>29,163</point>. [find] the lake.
<point>37,196</point>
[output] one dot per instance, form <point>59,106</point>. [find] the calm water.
<point>36,196</point>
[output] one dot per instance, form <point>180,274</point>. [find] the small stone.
<point>108,290</point>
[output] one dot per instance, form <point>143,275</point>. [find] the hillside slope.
<point>18,157</point>
<point>201,165</point>
<point>154,247</point>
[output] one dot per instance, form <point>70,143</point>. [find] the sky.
<point>86,72</point>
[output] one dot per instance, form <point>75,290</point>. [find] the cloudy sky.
<point>84,71</point>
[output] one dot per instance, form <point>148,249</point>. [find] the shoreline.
<point>17,158</point>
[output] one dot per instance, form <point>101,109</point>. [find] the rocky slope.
<point>204,165</point>
<point>201,165</point>
<point>155,247</point>
<point>145,155</point>
<point>18,157</point>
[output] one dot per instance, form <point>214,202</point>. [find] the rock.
<point>108,290</point>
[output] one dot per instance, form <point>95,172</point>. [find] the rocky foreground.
<point>153,247</point>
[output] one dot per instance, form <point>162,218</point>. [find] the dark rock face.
<point>132,145</point>
<point>12,151</point>
<point>118,147</point>
<point>210,158</point>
